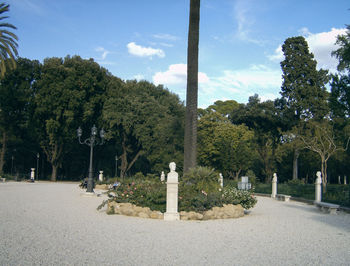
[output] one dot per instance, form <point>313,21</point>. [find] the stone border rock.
<point>132,210</point>
<point>226,212</point>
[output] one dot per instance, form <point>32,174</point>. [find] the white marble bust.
<point>172,175</point>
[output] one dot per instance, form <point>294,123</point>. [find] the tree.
<point>265,120</point>
<point>319,137</point>
<point>147,122</point>
<point>190,140</point>
<point>8,42</point>
<point>223,145</point>
<point>303,88</point>
<point>303,85</point>
<point>16,88</point>
<point>343,53</point>
<point>70,93</point>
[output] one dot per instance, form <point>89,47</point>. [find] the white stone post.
<point>318,193</point>
<point>274,186</point>
<point>345,180</point>
<point>171,213</point>
<point>32,174</point>
<point>100,176</point>
<point>339,182</point>
<point>162,177</point>
<point>221,180</point>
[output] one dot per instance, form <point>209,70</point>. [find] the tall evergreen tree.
<point>303,85</point>
<point>190,141</point>
<point>303,88</point>
<point>343,53</point>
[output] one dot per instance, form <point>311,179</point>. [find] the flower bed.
<point>200,197</point>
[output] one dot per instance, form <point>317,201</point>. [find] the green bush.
<point>202,179</point>
<point>144,193</point>
<point>198,191</point>
<point>231,195</point>
<point>190,199</point>
<point>295,182</point>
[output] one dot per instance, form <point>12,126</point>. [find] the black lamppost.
<point>12,158</point>
<point>37,165</point>
<point>92,141</point>
<point>116,166</point>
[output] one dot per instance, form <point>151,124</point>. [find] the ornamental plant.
<point>198,191</point>
<point>202,179</point>
<point>232,195</point>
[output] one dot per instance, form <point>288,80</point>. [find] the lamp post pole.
<point>37,165</point>
<point>91,141</point>
<point>116,166</point>
<point>12,158</point>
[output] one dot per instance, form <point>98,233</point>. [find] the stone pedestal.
<point>100,176</point>
<point>274,186</point>
<point>318,189</point>
<point>32,174</point>
<point>172,195</point>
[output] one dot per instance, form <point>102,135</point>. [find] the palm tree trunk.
<point>190,141</point>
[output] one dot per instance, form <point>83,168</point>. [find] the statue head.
<point>172,167</point>
<point>318,174</point>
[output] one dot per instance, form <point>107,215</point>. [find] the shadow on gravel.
<point>307,208</point>
<point>340,220</point>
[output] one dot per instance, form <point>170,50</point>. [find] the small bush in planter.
<point>232,195</point>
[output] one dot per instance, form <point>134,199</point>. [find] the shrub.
<point>296,182</point>
<point>234,196</point>
<point>190,199</point>
<point>144,193</point>
<point>202,178</point>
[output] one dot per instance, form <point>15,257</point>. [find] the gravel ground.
<point>54,224</point>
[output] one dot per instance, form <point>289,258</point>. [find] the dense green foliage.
<point>338,194</point>
<point>42,105</point>
<point>194,192</point>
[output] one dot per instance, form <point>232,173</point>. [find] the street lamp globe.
<point>79,132</point>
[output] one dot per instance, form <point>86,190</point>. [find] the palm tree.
<point>8,42</point>
<point>190,141</point>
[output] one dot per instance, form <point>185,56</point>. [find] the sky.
<point>239,41</point>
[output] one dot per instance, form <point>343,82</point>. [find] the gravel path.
<point>53,224</point>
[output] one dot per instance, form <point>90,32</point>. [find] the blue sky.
<point>239,47</point>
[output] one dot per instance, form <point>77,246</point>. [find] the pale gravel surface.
<point>52,224</point>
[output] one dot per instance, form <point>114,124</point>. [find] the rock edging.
<point>226,212</point>
<point>129,209</point>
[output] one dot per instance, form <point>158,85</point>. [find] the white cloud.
<point>139,77</point>
<point>245,21</point>
<point>103,51</point>
<point>242,83</point>
<point>320,44</point>
<point>167,37</point>
<point>176,74</point>
<point>141,51</point>
<point>278,55</point>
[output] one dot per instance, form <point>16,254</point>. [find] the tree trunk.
<point>124,158</point>
<point>324,173</point>
<point>3,151</point>
<point>190,141</point>
<point>237,174</point>
<point>295,164</point>
<point>54,173</point>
